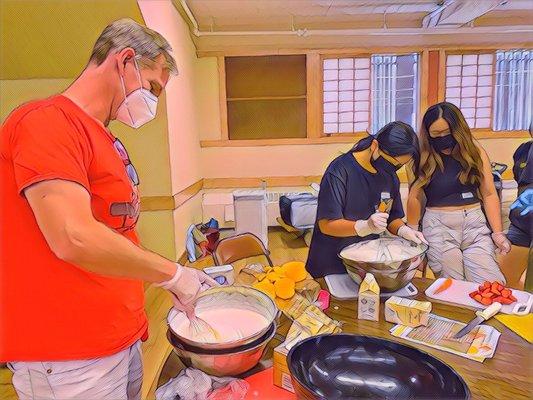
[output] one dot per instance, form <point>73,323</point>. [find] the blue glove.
<point>524,201</point>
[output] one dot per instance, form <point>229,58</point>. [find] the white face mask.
<point>139,107</point>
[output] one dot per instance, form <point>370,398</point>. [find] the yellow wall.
<point>147,147</point>
<point>54,38</point>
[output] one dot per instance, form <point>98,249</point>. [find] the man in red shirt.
<point>71,288</point>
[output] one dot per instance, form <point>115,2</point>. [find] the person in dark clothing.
<point>515,262</point>
<point>351,189</point>
<point>457,187</point>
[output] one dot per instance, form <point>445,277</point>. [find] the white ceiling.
<point>237,26</point>
<point>224,15</point>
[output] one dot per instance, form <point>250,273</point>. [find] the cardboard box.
<point>407,312</point>
<point>282,376</point>
<point>368,300</point>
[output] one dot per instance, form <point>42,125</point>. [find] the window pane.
<point>331,107</point>
<point>331,75</point>
<point>331,64</point>
<point>345,74</point>
<point>331,96</point>
<point>346,63</point>
<point>346,106</point>
<point>330,128</point>
<point>346,127</point>
<point>346,117</point>
<point>360,63</point>
<point>482,122</point>
<point>360,126</point>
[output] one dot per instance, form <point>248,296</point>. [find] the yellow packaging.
<point>312,321</point>
<point>368,300</point>
<point>282,376</point>
<point>407,312</point>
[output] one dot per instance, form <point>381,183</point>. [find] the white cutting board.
<point>458,292</point>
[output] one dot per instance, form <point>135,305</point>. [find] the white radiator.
<point>219,205</point>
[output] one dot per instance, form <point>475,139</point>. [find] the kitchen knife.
<point>482,316</point>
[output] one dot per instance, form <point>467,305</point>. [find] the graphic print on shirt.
<point>129,211</point>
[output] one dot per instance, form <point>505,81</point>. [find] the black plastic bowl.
<point>353,367</point>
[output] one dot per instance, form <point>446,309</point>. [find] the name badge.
<point>467,195</point>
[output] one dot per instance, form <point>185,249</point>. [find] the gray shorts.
<point>460,245</point>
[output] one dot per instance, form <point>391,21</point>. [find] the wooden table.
<point>506,376</point>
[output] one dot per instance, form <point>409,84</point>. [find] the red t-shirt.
<point>50,309</point>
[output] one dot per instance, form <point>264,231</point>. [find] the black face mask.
<point>442,142</point>
<point>381,164</point>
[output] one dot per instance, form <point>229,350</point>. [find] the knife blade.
<point>482,316</point>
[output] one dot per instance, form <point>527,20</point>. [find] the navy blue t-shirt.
<point>347,191</point>
<point>523,168</point>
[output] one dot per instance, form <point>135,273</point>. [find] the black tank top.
<point>445,189</point>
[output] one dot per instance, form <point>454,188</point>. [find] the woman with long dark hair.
<point>455,182</point>
<point>351,188</point>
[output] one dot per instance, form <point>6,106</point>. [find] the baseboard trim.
<point>168,203</point>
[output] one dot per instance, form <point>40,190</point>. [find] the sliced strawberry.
<point>486,301</point>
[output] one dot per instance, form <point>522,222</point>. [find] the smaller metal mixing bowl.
<point>224,297</point>
<point>391,274</point>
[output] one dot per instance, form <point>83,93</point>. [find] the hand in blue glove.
<point>524,201</point>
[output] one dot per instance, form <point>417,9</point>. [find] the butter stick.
<point>407,312</point>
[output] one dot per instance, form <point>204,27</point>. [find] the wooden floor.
<point>284,246</point>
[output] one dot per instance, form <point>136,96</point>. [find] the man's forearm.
<point>99,249</point>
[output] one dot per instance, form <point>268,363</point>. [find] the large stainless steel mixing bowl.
<point>225,297</point>
<point>391,274</point>
<point>223,362</point>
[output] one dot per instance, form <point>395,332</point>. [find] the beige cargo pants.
<point>115,377</point>
<point>460,246</point>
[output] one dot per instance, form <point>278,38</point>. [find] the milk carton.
<point>368,300</point>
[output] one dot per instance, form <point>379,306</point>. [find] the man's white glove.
<point>376,224</point>
<point>185,286</point>
<point>411,234</point>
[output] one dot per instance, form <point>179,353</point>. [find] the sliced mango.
<point>284,288</point>
<point>273,276</point>
<point>295,270</point>
<point>279,271</point>
<point>266,287</point>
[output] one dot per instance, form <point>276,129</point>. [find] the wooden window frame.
<point>315,96</point>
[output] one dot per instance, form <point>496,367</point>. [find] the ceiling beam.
<point>457,13</point>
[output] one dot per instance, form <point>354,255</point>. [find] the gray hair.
<point>123,33</point>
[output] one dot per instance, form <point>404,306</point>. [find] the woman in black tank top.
<point>454,196</point>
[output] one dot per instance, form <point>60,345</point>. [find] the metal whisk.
<point>200,328</point>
